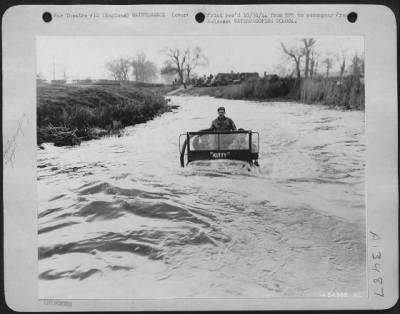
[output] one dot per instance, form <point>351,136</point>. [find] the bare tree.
<point>119,68</point>
<point>314,63</point>
<point>113,67</point>
<point>143,70</point>
<point>183,62</point>
<point>357,65</point>
<point>294,53</point>
<point>328,64</point>
<point>341,59</point>
<point>308,48</point>
<point>176,63</point>
<point>138,64</point>
<point>194,58</point>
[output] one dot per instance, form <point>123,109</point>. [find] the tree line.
<point>181,62</point>
<point>308,61</point>
<point>142,69</point>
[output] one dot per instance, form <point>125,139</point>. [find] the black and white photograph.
<point>201,167</point>
<point>200,157</point>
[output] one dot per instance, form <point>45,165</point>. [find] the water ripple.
<point>120,210</point>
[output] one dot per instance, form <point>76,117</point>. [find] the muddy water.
<point>119,218</point>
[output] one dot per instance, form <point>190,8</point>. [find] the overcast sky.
<point>83,57</point>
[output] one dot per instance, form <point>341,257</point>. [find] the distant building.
<point>249,75</point>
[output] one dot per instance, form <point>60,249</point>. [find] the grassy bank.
<point>346,93</point>
<point>67,114</point>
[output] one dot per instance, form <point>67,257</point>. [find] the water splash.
<point>119,218</point>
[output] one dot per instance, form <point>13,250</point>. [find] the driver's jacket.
<point>225,124</point>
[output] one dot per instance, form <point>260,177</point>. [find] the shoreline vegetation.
<point>68,114</point>
<point>346,93</point>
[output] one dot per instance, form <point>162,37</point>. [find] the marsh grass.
<point>88,106</point>
<point>345,93</point>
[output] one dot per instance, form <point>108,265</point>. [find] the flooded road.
<point>119,218</point>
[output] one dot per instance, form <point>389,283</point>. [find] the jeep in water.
<point>213,145</point>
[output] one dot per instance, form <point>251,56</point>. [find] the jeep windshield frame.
<point>222,145</point>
